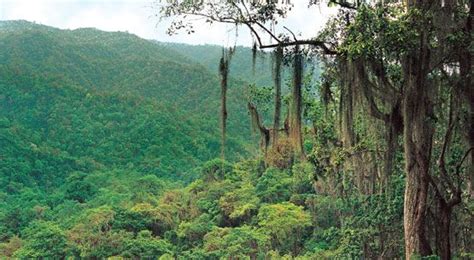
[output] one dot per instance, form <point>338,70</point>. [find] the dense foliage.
<point>94,173</point>
<point>91,119</point>
<point>107,151</point>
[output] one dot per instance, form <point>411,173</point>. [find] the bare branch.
<point>344,4</point>
<point>314,43</point>
<point>294,36</point>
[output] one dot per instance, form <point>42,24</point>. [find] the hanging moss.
<point>325,90</point>
<point>278,56</point>
<point>346,102</point>
<point>223,72</point>
<point>254,57</point>
<point>296,104</point>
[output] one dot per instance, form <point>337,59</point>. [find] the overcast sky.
<point>138,17</point>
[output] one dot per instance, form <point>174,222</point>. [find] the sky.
<point>139,17</point>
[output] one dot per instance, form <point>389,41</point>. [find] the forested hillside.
<point>119,63</point>
<point>112,146</point>
<point>88,116</point>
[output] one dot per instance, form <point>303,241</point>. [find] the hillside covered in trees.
<point>355,144</point>
<point>83,103</point>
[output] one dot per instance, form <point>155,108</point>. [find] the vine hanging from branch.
<point>277,81</point>
<point>223,72</point>
<point>296,104</point>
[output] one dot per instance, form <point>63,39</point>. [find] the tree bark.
<point>417,150</point>
<point>417,109</point>
<point>465,62</point>
<point>443,223</point>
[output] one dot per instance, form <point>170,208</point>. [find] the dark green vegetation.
<point>372,161</point>
<point>94,89</point>
<point>92,116</point>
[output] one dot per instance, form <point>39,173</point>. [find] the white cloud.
<point>137,16</point>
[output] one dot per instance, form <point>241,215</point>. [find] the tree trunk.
<point>346,106</point>
<point>256,123</point>
<point>417,148</point>
<point>443,244</point>
<point>418,132</point>
<point>465,62</point>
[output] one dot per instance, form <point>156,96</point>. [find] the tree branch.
<point>344,4</point>
<point>315,43</point>
<point>248,22</point>
<point>294,36</point>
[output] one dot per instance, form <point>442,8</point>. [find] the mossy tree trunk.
<point>418,132</point>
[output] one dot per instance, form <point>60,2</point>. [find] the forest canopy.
<point>356,143</point>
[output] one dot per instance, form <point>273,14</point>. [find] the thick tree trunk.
<point>417,111</point>
<point>418,132</point>
<point>346,109</point>
<point>417,157</point>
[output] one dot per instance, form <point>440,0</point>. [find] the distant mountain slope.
<point>106,61</point>
<point>111,99</point>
